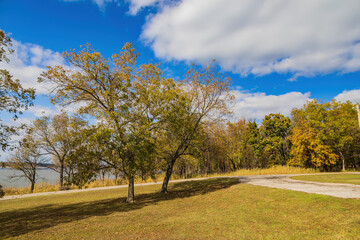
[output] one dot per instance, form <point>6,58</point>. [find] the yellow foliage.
<point>308,150</point>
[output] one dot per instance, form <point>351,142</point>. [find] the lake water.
<point>45,175</point>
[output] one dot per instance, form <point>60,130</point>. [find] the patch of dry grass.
<point>272,170</point>
<point>41,187</point>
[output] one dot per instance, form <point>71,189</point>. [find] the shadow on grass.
<point>19,222</point>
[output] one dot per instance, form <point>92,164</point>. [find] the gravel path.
<point>274,181</point>
<point>284,182</point>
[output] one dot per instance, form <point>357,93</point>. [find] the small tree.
<point>274,130</point>
<point>26,159</point>
<point>240,152</point>
<point>58,137</point>
<point>254,140</point>
<point>214,148</point>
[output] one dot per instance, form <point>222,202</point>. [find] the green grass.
<point>210,209</point>
<point>331,178</point>
<point>44,187</point>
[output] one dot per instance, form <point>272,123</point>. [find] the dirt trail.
<point>284,182</point>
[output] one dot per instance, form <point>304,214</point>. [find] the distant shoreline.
<point>46,174</point>
<point>39,168</point>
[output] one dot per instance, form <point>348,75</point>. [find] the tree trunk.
<point>343,161</point>
<point>233,165</point>
<point>32,187</point>
<point>33,179</point>
<point>61,180</point>
<point>131,192</point>
<point>32,184</point>
<point>169,171</point>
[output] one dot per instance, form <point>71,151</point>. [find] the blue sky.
<point>279,53</point>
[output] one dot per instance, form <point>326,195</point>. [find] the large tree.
<point>207,98</point>
<point>341,119</point>
<point>325,133</point>
<point>126,100</point>
<point>13,97</point>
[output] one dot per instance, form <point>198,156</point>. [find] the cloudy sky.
<point>279,53</point>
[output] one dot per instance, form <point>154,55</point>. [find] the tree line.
<point>136,123</point>
<point>320,135</point>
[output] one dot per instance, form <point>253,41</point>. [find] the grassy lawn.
<point>210,209</point>
<point>331,178</point>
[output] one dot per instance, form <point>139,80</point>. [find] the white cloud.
<point>352,96</point>
<point>50,111</point>
<point>257,105</point>
<point>37,111</point>
<point>28,62</point>
<point>40,111</point>
<point>31,114</point>
<point>102,3</point>
<point>137,5</point>
<point>304,38</point>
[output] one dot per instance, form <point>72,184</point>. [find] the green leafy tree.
<point>240,152</point>
<point>26,160</point>
<point>341,119</point>
<point>325,133</point>
<point>206,97</point>
<point>126,100</point>
<point>213,148</point>
<point>274,130</point>
<point>13,97</point>
<point>254,140</point>
<point>58,137</point>
<point>208,149</point>
<point>85,160</point>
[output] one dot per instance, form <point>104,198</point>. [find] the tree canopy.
<point>127,101</point>
<point>323,134</point>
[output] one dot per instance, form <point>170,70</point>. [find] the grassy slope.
<point>211,209</point>
<point>331,178</point>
